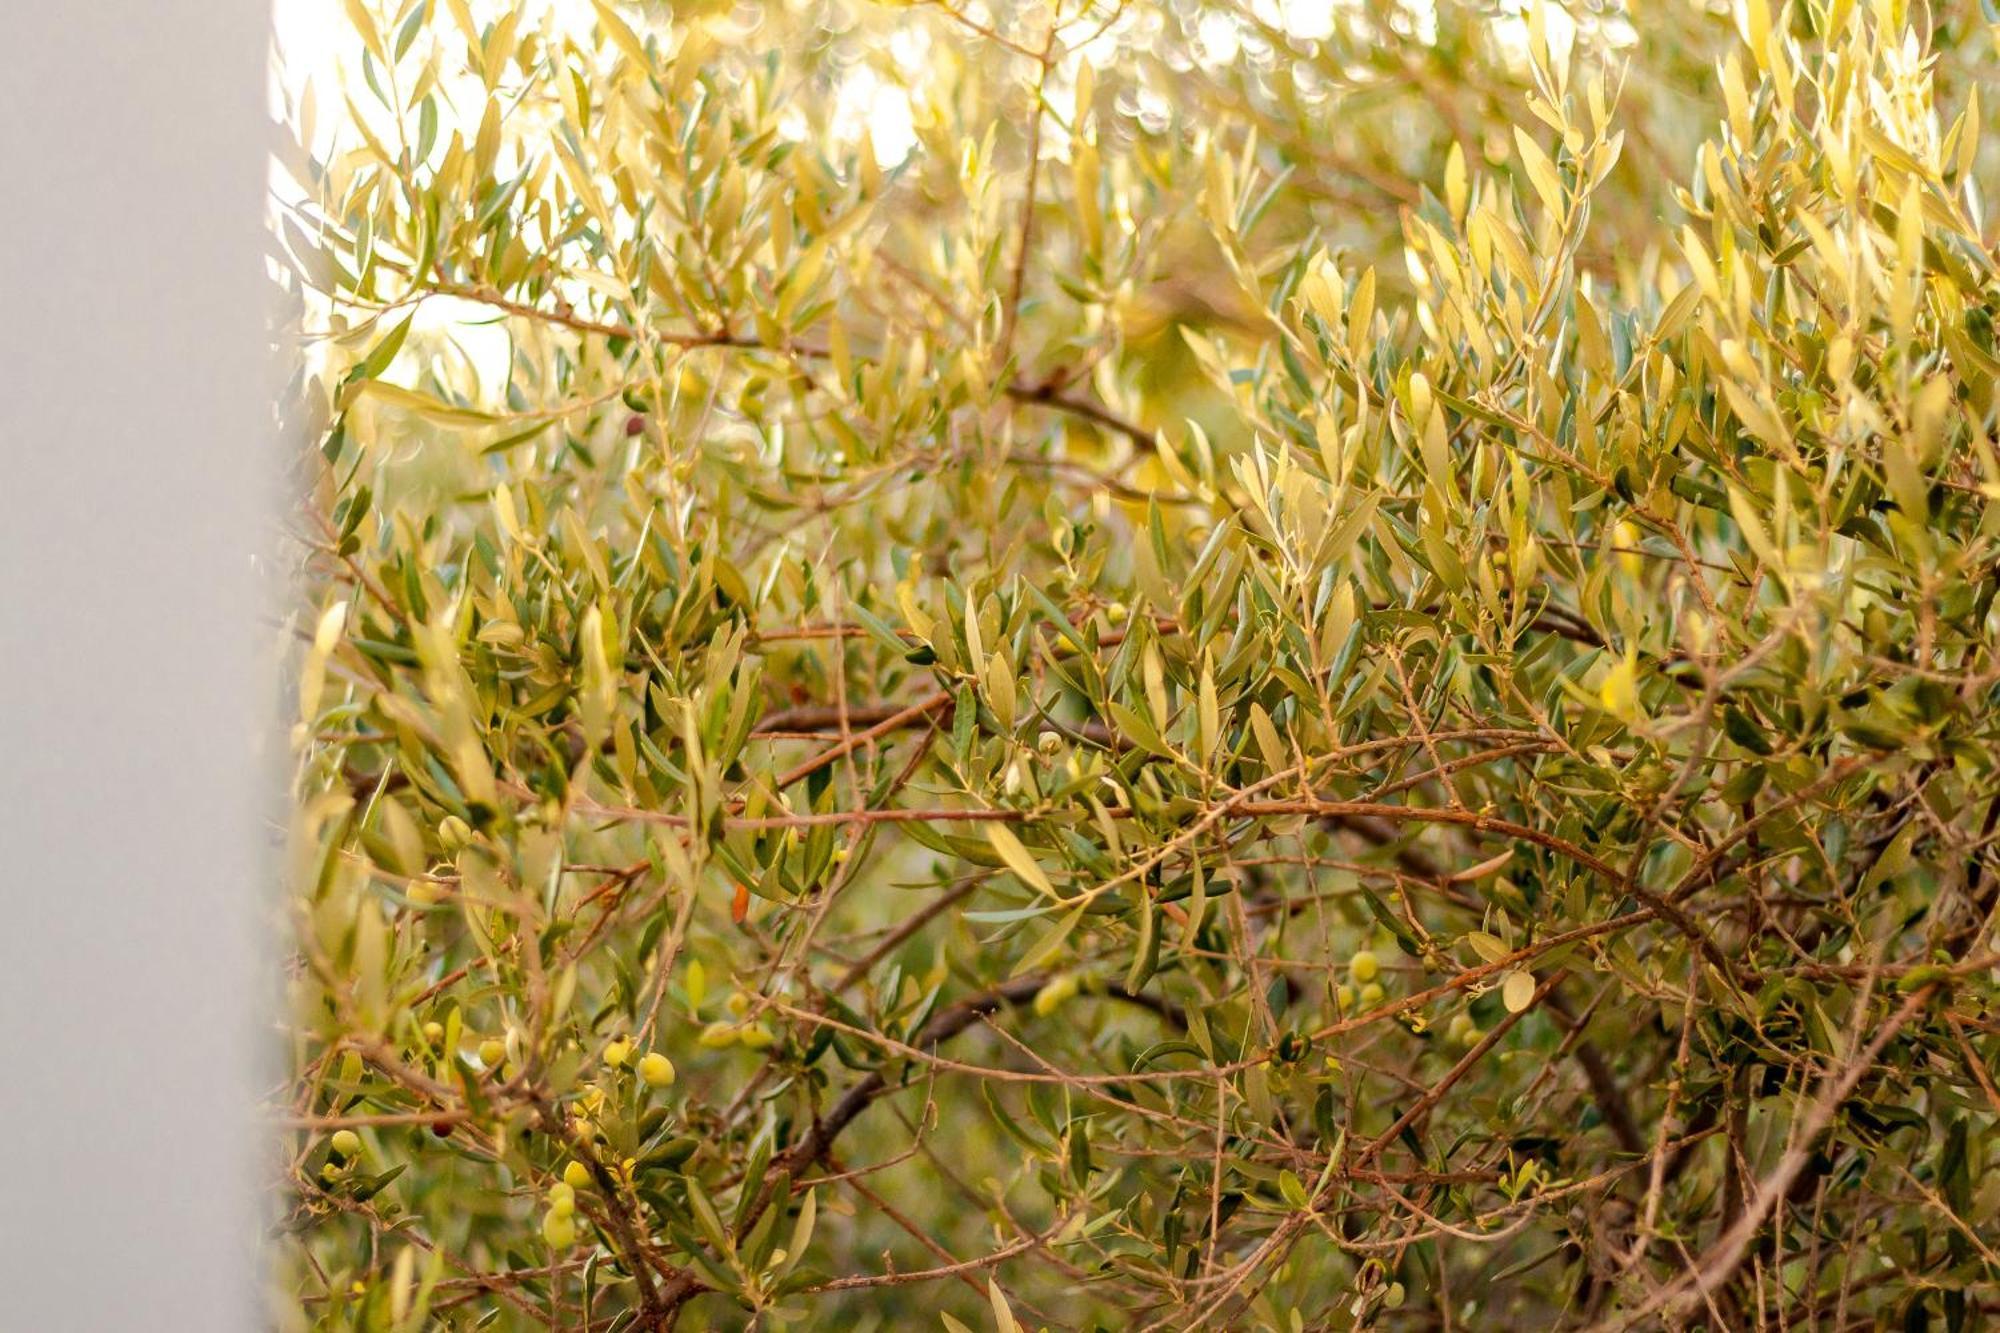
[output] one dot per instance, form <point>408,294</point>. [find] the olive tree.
<point>1140,664</point>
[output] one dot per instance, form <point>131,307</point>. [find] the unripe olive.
<point>1371,994</point>
<point>1053,995</point>
<point>576,1175</point>
<point>617,1053</point>
<point>424,892</point>
<point>756,1036</point>
<point>562,1199</point>
<point>346,1143</point>
<point>738,1003</point>
<point>1626,534</point>
<point>656,1070</point>
<point>1344,996</point>
<point>559,1230</point>
<point>453,834</point>
<point>433,1032</point>
<point>491,1052</point>
<point>717,1036</point>
<point>1364,967</point>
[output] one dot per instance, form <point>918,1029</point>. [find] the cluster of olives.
<point>559,1222</point>
<point>721,1035</point>
<point>343,1151</point>
<point>558,1228</point>
<point>1362,990</point>
<point>1362,969</point>
<point>654,1069</point>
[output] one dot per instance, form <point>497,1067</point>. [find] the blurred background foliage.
<point>1294,664</point>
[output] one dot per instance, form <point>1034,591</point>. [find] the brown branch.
<point>1010,316</point>
<point>921,709</point>
<point>943,1025</point>
<point>1047,394</point>
<point>932,1274</point>
<point>638,1257</point>
<point>1604,1089</point>
<point>1721,1260</point>
<point>1458,1071</point>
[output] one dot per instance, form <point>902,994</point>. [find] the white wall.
<point>134,435</point>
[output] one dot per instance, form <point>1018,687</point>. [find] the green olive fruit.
<point>453,834</point>
<point>1052,996</point>
<point>559,1229</point>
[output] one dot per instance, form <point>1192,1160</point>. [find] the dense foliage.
<point>1146,664</point>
